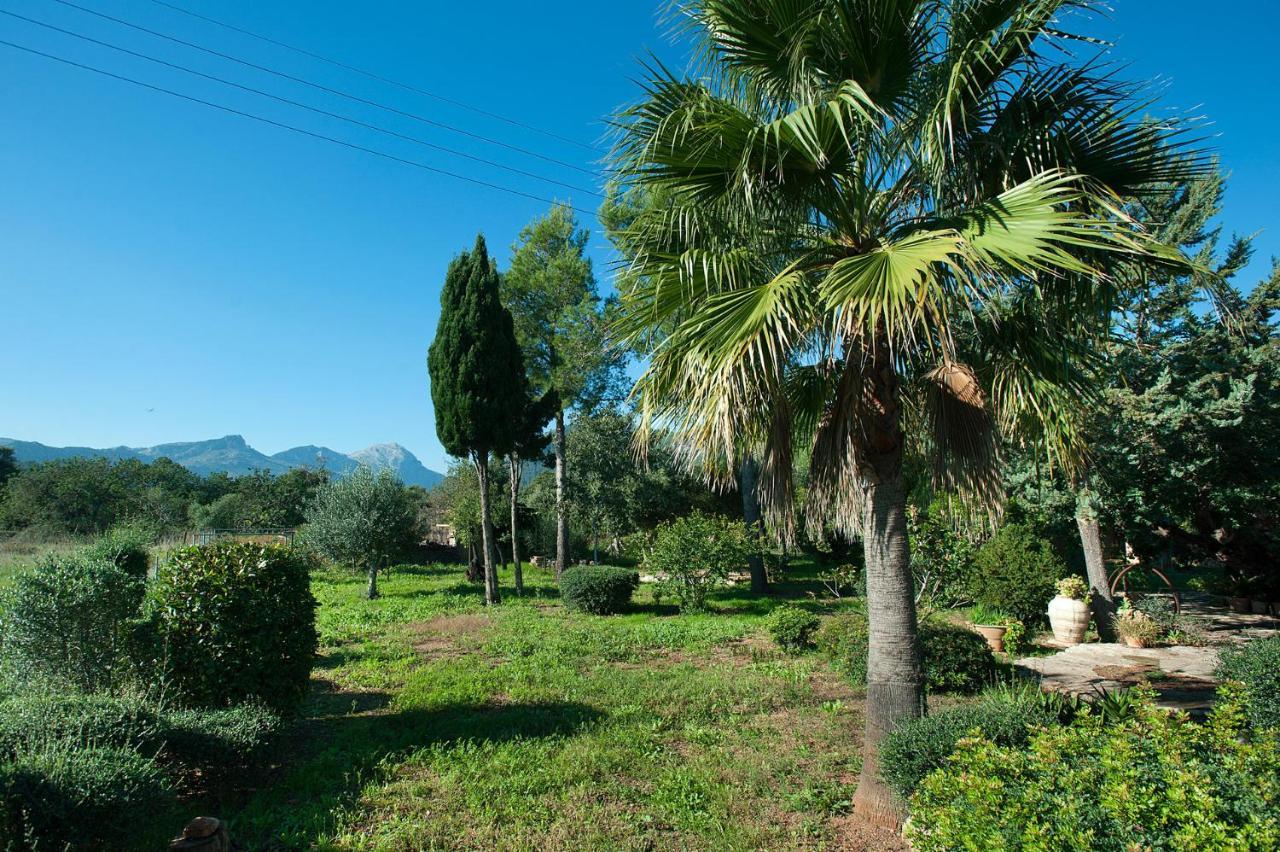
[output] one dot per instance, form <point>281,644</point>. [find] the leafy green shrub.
<point>694,554</point>
<point>70,620</point>
<point>598,589</point>
<point>60,795</point>
<point>792,628</point>
<point>85,720</point>
<point>1017,571</point>
<point>1257,666</point>
<point>953,659</point>
<point>127,547</point>
<point>1156,781</point>
<point>233,735</point>
<point>235,621</point>
<point>922,745</point>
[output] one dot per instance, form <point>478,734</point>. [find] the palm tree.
<point>874,226</point>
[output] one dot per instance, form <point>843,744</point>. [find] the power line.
<point>443,125</point>
<point>243,114</point>
<point>299,104</point>
<point>375,76</point>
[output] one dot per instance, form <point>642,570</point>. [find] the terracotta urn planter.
<point>994,634</point>
<point>1134,641</point>
<point>1069,619</point>
<point>1240,605</point>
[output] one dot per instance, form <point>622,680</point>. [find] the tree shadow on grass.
<point>333,757</point>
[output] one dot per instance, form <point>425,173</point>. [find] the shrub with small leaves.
<point>70,620</point>
<point>598,589</point>
<point>1256,666</point>
<point>694,554</point>
<point>922,745</point>
<point>1073,587</point>
<point>86,720</point>
<point>235,621</point>
<point>1017,571</point>
<point>793,628</point>
<point>1155,781</point>
<point>63,795</point>
<point>128,547</point>
<point>211,738</point>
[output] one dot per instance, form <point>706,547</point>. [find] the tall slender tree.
<point>880,221</point>
<point>478,383</point>
<point>550,290</point>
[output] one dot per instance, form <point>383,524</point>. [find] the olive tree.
<point>362,520</point>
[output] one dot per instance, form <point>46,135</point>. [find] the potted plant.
<point>990,625</point>
<point>1069,611</point>
<point>1136,628</point>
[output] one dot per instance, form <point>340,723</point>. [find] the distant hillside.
<point>233,456</point>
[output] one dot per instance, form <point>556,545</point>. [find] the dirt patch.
<point>851,833</point>
<point>440,637</point>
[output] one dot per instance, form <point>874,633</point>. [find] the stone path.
<point>1182,675</point>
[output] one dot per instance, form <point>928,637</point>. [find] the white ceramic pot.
<point>1069,619</point>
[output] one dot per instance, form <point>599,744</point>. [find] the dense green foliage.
<point>793,628</point>
<point>59,795</point>
<point>1156,781</point>
<point>235,621</point>
<point>104,720</point>
<point>922,745</point>
<point>70,620</point>
<point>692,555</point>
<point>363,521</point>
<point>477,371</point>
<point>128,547</point>
<point>1017,571</point>
<point>953,659</point>
<point>1256,666</point>
<point>84,496</point>
<point>598,589</point>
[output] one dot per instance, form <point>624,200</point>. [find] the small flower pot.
<point>1134,641</point>
<point>1069,619</point>
<point>1259,607</point>
<point>1240,605</point>
<point>993,634</point>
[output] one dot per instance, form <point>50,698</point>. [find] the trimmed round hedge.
<point>235,621</point>
<point>598,589</point>
<point>793,628</point>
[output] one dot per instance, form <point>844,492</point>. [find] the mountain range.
<point>233,456</point>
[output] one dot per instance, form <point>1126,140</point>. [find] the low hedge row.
<point>598,589</point>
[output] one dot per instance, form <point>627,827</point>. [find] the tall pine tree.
<point>478,382</point>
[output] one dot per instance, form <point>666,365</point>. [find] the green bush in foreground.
<point>597,589</point>
<point>70,621</point>
<point>61,795</point>
<point>922,745</point>
<point>129,548</point>
<point>793,628</point>
<point>1257,666</point>
<point>211,738</point>
<point>1156,781</point>
<point>953,659</point>
<point>235,621</point>
<point>84,720</point>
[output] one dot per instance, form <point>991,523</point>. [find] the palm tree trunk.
<point>491,595</point>
<point>514,461</point>
<point>895,691</point>
<point>751,516</point>
<point>1095,565</point>
<point>562,511</point>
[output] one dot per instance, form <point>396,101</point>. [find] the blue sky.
<point>170,272</point>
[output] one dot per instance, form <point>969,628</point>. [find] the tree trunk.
<point>491,595</point>
<point>562,512</point>
<point>895,691</point>
<point>1104,607</point>
<point>751,516</point>
<point>595,541</point>
<point>514,461</point>
<point>372,592</point>
<point>475,570</point>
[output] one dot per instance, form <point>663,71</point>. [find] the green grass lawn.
<point>435,723</point>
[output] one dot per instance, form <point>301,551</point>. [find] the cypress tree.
<point>478,384</point>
